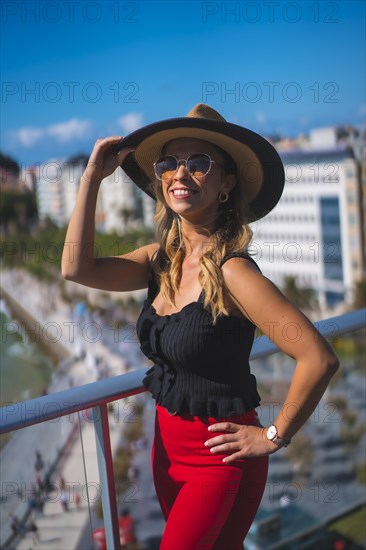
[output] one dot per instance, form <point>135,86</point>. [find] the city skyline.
<point>93,69</point>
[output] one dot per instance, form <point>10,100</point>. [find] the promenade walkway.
<point>57,529</point>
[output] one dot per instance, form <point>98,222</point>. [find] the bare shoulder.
<point>237,270</point>
<point>142,254</point>
<point>232,266</point>
<point>152,249</point>
<point>243,281</point>
<point>251,290</point>
<point>258,299</point>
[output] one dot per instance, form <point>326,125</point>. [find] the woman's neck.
<point>196,239</point>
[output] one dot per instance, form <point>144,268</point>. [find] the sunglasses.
<point>198,165</point>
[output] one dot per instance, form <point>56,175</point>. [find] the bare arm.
<point>294,334</point>
<point>129,271</point>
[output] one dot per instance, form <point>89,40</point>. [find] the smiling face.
<point>196,198</point>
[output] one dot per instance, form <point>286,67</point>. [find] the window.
<point>331,238</point>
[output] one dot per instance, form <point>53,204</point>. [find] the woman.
<point>206,295</point>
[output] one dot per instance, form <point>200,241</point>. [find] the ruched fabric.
<point>198,368</point>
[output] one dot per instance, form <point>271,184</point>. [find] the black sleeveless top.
<point>199,368</point>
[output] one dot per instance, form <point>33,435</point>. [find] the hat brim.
<point>259,167</point>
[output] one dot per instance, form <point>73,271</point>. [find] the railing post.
<point>106,477</point>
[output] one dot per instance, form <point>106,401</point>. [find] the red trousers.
<point>208,505</point>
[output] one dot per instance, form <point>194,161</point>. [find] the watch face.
<point>271,432</point>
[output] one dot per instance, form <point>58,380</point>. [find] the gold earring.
<point>223,197</point>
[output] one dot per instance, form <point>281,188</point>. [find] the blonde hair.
<point>232,234</point>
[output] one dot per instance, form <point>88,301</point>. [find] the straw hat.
<point>259,168</point>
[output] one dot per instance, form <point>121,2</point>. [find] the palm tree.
<point>302,297</point>
<point>17,210</point>
<point>359,294</point>
<point>352,433</point>
<point>127,215</point>
<point>301,454</point>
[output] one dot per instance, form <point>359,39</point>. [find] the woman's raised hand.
<point>104,160</point>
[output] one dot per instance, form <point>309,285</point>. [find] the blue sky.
<point>78,70</point>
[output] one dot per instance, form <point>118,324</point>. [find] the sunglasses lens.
<point>166,167</point>
<point>198,165</point>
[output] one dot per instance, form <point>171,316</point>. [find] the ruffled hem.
<point>152,382</point>
<point>197,405</point>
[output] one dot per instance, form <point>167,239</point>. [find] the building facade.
<point>57,184</point>
<point>121,205</point>
<point>315,231</point>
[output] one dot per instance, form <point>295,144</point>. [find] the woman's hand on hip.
<point>104,159</point>
<point>241,441</point>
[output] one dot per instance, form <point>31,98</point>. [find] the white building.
<point>122,205</point>
<point>315,231</point>
<point>116,202</point>
<point>57,184</point>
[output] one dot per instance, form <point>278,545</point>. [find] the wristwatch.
<point>272,435</point>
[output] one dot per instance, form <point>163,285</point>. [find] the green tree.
<point>340,403</point>
<point>9,164</point>
<point>300,453</point>
<point>351,432</point>
<point>17,210</point>
<point>47,242</point>
<point>361,473</point>
<point>302,297</point>
<point>359,294</point>
<point>127,215</point>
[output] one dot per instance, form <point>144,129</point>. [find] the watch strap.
<point>280,442</point>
